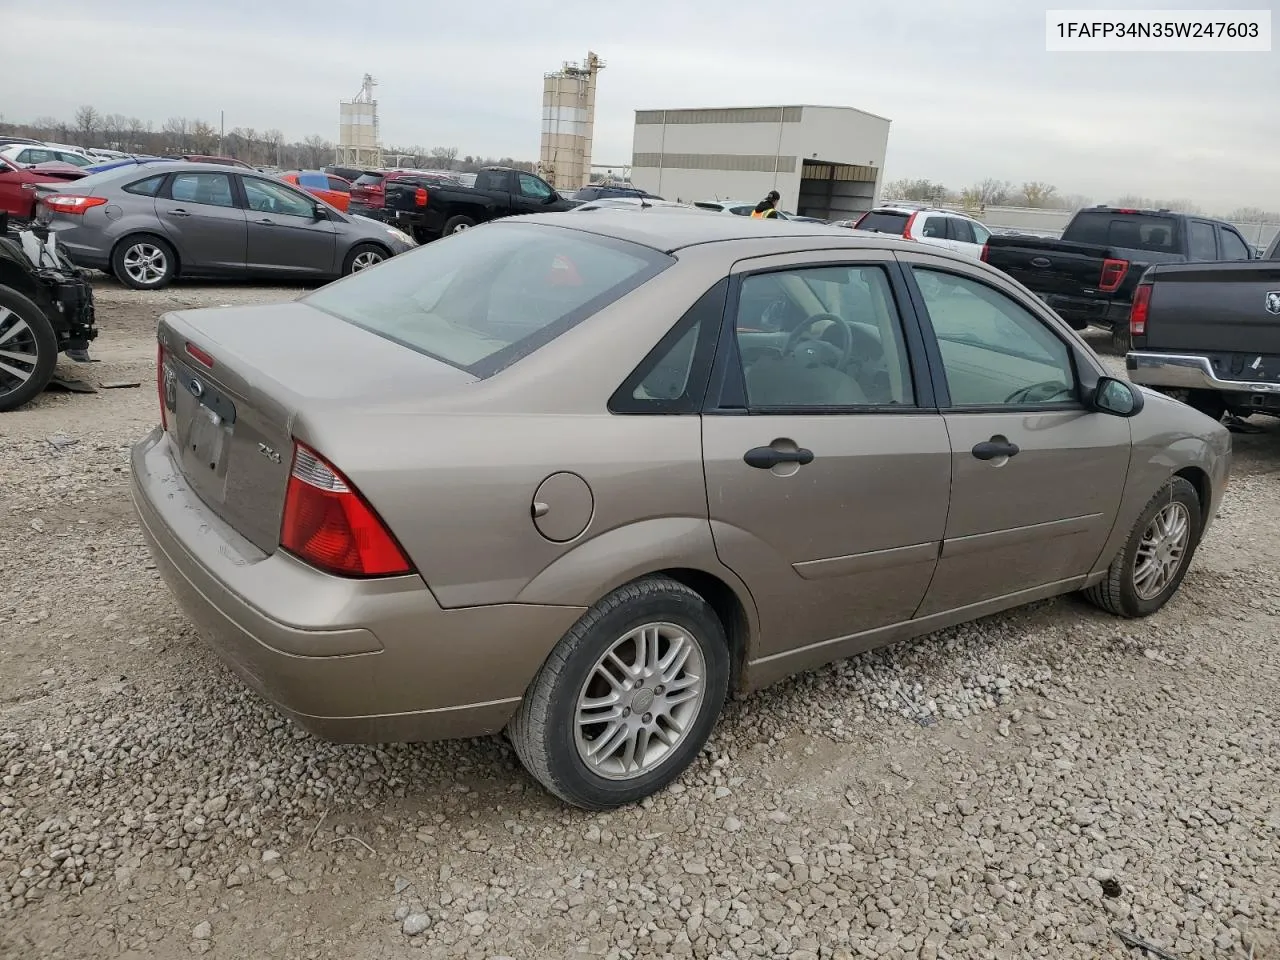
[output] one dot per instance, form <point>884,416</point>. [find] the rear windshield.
<point>482,299</point>
<point>884,222</point>
<point>1133,231</point>
<point>368,180</point>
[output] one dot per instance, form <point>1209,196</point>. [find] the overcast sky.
<point>969,87</point>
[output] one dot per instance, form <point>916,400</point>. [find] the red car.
<point>17,184</point>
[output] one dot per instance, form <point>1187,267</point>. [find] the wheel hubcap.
<point>1162,550</point>
<point>18,351</point>
<point>639,701</point>
<point>145,263</point>
<point>365,260</point>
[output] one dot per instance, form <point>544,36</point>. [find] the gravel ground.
<point>971,794</point>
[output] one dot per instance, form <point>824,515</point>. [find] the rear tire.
<point>1121,341</point>
<point>24,330</point>
<point>1150,567</point>
<point>455,224</point>
<point>144,262</point>
<point>648,669</point>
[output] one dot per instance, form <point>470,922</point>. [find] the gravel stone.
<point>202,931</point>
<point>415,924</point>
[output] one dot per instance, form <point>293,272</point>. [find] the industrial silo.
<point>568,119</point>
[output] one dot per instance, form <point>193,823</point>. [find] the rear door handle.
<point>266,222</point>
<point>179,213</point>
<point>990,449</point>
<point>763,458</point>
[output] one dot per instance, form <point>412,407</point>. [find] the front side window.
<point>533,188</point>
<point>36,156</point>
<point>934,228</point>
<point>267,197</point>
<point>74,159</point>
<point>483,299</point>
<point>1233,248</point>
<point>995,352</point>
<point>821,337</point>
<point>962,230</point>
<point>211,189</point>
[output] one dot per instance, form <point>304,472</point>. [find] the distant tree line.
<point>1003,193</point>
<point>181,135</point>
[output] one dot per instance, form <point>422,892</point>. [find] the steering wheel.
<point>1041,392</point>
<point>813,350</point>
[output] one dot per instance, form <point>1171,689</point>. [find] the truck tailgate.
<point>1215,308</point>
<point>1048,267</point>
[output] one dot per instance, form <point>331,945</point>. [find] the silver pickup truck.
<point>1209,334</point>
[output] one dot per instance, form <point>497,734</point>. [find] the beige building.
<point>568,123</point>
<point>824,161</point>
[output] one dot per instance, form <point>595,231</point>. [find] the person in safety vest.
<point>766,208</point>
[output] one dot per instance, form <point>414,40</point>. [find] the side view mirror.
<point>320,213</point>
<point>1117,397</point>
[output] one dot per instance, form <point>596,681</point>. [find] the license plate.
<point>207,438</point>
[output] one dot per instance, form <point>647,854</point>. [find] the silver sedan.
<point>151,224</point>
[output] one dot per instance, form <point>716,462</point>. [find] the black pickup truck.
<point>1209,334</point>
<point>431,211</point>
<point>1090,274</point>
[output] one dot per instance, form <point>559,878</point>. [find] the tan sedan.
<point>582,476</point>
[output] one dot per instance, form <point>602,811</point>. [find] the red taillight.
<point>198,355</point>
<point>906,231</point>
<point>420,197</point>
<point>1125,210</point>
<point>67,203</point>
<point>1138,312</point>
<point>983,255</point>
<point>1113,272</point>
<point>164,417</point>
<point>329,525</point>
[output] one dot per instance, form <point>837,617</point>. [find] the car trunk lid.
<point>234,380</point>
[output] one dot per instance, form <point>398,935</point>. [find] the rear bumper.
<point>1189,372</point>
<point>365,661</point>
<point>1081,312</point>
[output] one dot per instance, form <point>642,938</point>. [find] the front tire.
<point>363,256</point>
<point>627,698</point>
<point>1155,558</point>
<point>144,262</point>
<point>30,350</point>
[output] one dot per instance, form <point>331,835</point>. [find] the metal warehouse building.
<point>824,161</point>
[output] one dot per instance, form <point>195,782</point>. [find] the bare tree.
<point>274,141</point>
<point>1038,194</point>
<point>203,137</point>
<point>177,131</point>
<point>88,121</point>
<point>919,190</point>
<point>134,132</point>
<point>444,156</point>
<point>1253,215</point>
<point>987,193</point>
<point>318,150</point>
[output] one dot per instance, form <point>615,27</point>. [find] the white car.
<point>28,155</point>
<point>938,228</point>
<point>632,203</point>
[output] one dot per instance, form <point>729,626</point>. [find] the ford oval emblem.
<point>197,388</point>
<point>1041,262</point>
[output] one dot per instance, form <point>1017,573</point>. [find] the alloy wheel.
<point>146,264</point>
<point>639,701</point>
<point>1161,550</point>
<point>18,351</point>
<point>365,260</point>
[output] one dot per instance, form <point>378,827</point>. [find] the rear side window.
<point>483,299</point>
<point>146,188</point>
<point>879,222</point>
<point>1200,243</point>
<point>1233,248</point>
<point>1133,231</point>
<point>369,180</point>
<point>337,183</point>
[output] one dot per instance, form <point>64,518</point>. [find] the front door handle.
<point>764,458</point>
<point>990,449</point>
<point>265,222</point>
<point>179,213</point>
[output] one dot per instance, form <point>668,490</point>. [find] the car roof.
<point>668,234</point>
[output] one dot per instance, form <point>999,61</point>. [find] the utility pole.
<point>222,131</point>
